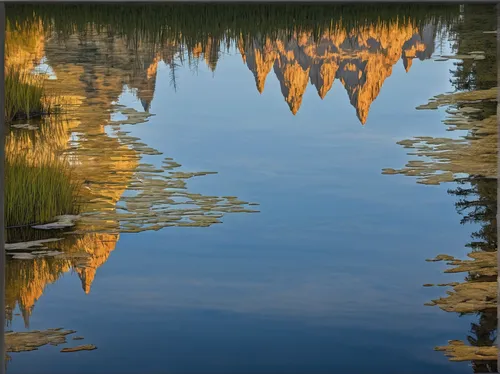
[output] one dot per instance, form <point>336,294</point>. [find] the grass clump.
<point>37,189</point>
<point>25,95</point>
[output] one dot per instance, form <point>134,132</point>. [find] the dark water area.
<point>260,192</point>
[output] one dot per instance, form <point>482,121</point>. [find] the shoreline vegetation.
<point>25,95</point>
<point>471,110</point>
<point>470,162</point>
<point>443,159</point>
<point>37,190</point>
<point>39,185</point>
<point>196,19</point>
<point>186,27</point>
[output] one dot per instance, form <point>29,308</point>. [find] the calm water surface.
<point>328,275</point>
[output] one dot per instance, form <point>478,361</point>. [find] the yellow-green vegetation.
<point>39,181</point>
<point>472,109</point>
<point>24,94</point>
<point>32,340</point>
<point>85,347</point>
<point>37,190</point>
<point>444,158</point>
<point>456,350</point>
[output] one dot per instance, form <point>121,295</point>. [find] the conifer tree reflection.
<point>480,201</point>
<point>477,195</point>
<point>468,35</point>
<point>478,204</point>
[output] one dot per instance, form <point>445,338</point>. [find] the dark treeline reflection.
<point>317,44</point>
<point>471,110</point>
<point>475,155</point>
<point>468,35</point>
<point>477,203</point>
<point>194,22</point>
<point>477,195</point>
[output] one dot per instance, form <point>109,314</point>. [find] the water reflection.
<point>95,56</point>
<point>360,58</point>
<point>472,113</point>
<point>91,71</point>
<point>478,204</point>
<point>360,55</point>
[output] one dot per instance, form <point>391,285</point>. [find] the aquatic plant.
<point>23,93</point>
<point>25,96</point>
<point>38,189</point>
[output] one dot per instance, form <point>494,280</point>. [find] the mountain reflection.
<point>26,280</point>
<point>361,58</point>
<point>95,60</point>
<point>359,53</point>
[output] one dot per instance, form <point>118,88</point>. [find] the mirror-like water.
<point>253,188</point>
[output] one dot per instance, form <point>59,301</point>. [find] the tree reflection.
<point>478,204</point>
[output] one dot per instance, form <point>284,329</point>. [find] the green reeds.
<point>39,183</point>
<point>24,94</point>
<point>195,22</point>
<point>38,189</point>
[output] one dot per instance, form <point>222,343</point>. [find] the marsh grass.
<point>39,183</point>
<point>25,95</point>
<point>192,23</point>
<point>37,192</point>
